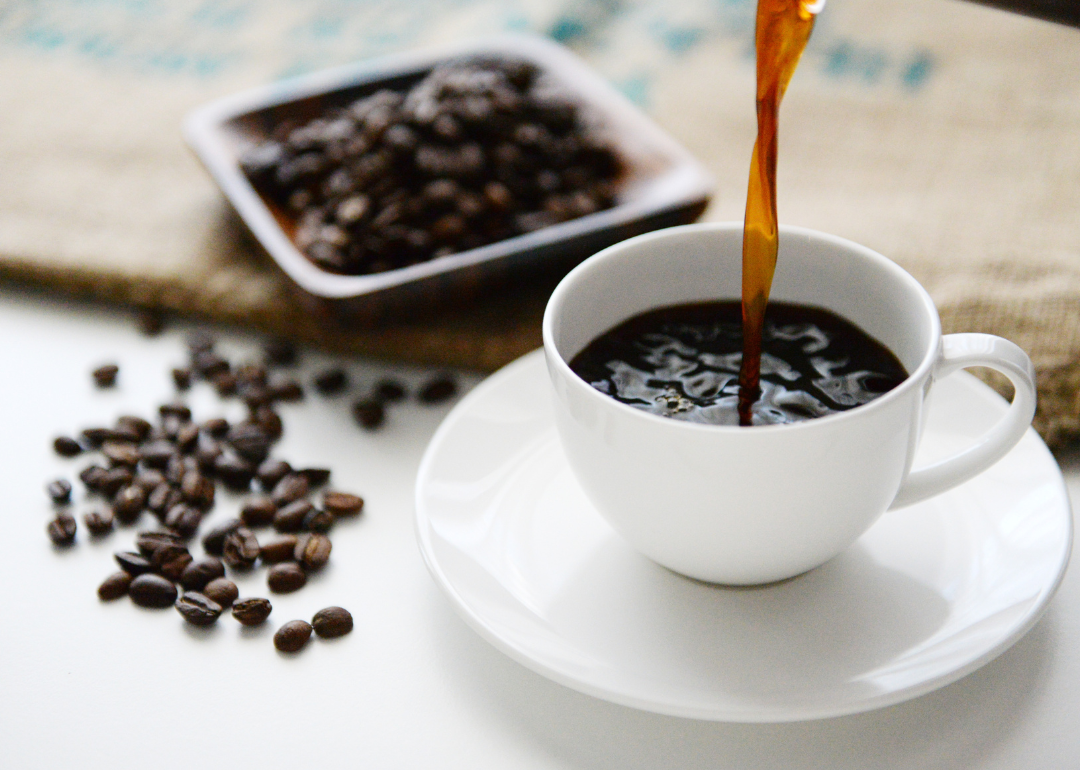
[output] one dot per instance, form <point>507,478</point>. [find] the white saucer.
<point>929,594</point>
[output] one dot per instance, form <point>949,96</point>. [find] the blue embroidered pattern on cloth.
<point>627,40</point>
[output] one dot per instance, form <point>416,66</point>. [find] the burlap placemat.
<point>945,135</point>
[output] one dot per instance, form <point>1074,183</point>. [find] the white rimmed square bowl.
<point>662,184</point>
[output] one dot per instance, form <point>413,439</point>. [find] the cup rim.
<point>913,380</point>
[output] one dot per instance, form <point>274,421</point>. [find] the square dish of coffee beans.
<point>476,150</point>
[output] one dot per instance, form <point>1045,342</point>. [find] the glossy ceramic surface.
<point>927,595</point>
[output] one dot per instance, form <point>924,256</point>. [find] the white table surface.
<point>91,685</point>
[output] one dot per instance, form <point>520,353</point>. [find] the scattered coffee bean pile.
<point>172,467</point>
<point>479,150</point>
<point>105,376</point>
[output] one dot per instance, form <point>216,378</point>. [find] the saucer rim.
<point>758,714</point>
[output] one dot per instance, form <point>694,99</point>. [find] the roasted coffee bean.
<point>181,378</point>
<point>401,138</point>
<point>290,518</point>
<point>285,389</point>
<point>184,518</point>
<point>128,503</point>
<point>235,472</point>
<point>269,420</point>
<point>61,530</point>
<point>291,488</point>
<point>312,550</point>
<point>369,413</point>
<point>133,563</point>
<point>214,542</point>
<point>65,446</point>
<point>121,453</point>
<point>250,441</point>
<point>278,550</point>
<point>198,609</point>
<point>280,353</point>
<point>171,425</point>
<point>292,636</point>
<point>442,191</point>
<point>342,503</point>
<point>171,561</point>
<point>216,427</point>
<point>159,454</point>
<point>190,465</point>
<point>128,434</point>
<point>209,364</point>
<point>95,437</point>
<point>197,574</point>
<point>222,590</point>
<point>254,394</point>
<point>163,498</point>
<point>207,453</point>
<point>352,209</point>
<point>125,434</point>
<point>156,454</point>
<point>150,322</point>
<point>176,409</point>
<point>93,477</point>
<point>125,437</point>
<point>98,522</point>
<point>175,470</point>
<point>134,426</point>
<point>270,472</point>
<point>252,612</point>
<point>59,490</point>
<point>286,577</point>
<point>252,374</point>
<point>148,479</point>
<point>114,586</point>
<point>105,376</point>
<point>149,542</point>
<point>197,490</point>
<point>258,512</point>
<point>150,590</point>
<point>225,383</point>
<point>389,391</point>
<point>332,622</point>
<point>437,390</point>
<point>241,549</point>
<point>318,521</point>
<point>316,477</point>
<point>187,436</point>
<point>115,479</point>
<point>331,381</point>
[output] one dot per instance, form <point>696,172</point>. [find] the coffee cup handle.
<point>959,351</point>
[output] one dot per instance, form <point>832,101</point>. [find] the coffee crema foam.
<point>683,362</point>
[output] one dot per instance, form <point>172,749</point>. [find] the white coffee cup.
<point>753,505</point>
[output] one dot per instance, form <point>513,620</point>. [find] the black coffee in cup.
<point>683,362</point>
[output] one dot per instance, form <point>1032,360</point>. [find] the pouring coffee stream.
<point>629,371</point>
<point>783,28</point>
